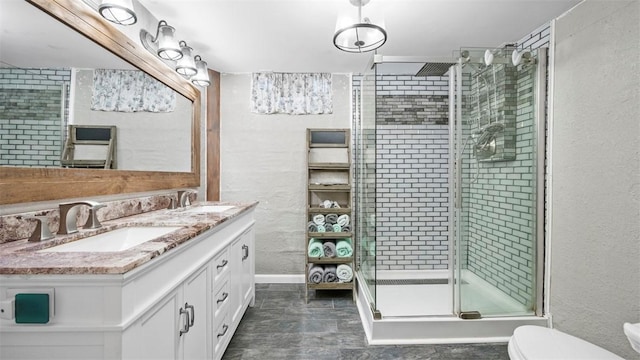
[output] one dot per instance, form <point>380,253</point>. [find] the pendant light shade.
<point>167,45</point>
<point>186,66</point>
<point>201,78</point>
<point>118,11</point>
<point>360,37</point>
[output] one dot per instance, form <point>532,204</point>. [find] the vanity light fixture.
<point>201,78</point>
<point>118,11</point>
<point>362,36</point>
<point>163,43</point>
<point>186,65</point>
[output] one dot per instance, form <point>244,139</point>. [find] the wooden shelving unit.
<point>329,181</point>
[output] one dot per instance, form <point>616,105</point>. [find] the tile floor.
<point>282,326</point>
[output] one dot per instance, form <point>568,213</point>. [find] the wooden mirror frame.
<point>20,185</point>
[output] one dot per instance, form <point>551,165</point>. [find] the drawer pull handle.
<point>245,252</point>
<point>225,327</point>
<point>224,297</point>
<point>224,263</point>
<point>185,328</point>
<point>193,314</point>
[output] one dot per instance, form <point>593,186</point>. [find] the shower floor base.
<point>405,321</point>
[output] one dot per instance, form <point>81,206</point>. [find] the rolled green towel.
<point>344,247</point>
<point>315,248</point>
<point>321,228</point>
<point>336,228</point>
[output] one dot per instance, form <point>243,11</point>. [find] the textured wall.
<point>595,169</point>
<point>263,158</point>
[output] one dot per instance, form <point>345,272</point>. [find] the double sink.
<point>125,238</point>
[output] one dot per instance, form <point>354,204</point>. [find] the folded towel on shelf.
<point>337,228</point>
<point>318,219</point>
<point>331,219</point>
<point>330,274</point>
<point>326,204</point>
<point>315,248</point>
<point>344,247</point>
<point>345,273</point>
<point>321,228</point>
<point>329,249</point>
<point>343,220</point>
<point>346,228</point>
<point>316,274</point>
<point>312,227</point>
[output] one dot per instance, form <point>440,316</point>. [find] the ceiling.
<point>296,35</point>
<point>239,36</point>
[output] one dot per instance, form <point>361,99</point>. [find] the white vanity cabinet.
<point>183,304</point>
<point>175,328</point>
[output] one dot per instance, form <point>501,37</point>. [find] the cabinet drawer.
<point>221,266</point>
<point>221,334</point>
<point>221,299</point>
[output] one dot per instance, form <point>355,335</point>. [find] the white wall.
<point>145,140</point>
<point>263,157</point>
<point>595,173</point>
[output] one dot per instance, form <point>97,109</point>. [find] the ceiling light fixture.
<point>118,11</point>
<point>163,43</point>
<point>362,36</point>
<point>185,65</point>
<point>201,78</point>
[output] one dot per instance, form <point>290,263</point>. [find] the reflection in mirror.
<point>50,78</point>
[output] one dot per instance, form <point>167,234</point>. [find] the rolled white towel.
<point>343,220</point>
<point>345,273</point>
<point>318,219</point>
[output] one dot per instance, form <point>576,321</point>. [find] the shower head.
<point>434,68</point>
<point>523,57</point>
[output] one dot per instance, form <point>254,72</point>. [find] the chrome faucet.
<point>41,232</point>
<point>68,212</point>
<point>183,198</point>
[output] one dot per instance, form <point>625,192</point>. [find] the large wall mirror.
<point>59,60</point>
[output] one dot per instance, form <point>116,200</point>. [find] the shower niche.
<point>491,108</point>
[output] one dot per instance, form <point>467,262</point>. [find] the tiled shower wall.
<point>502,206</point>
<point>31,111</point>
<point>412,172</point>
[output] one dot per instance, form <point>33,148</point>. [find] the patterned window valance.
<point>291,93</point>
<point>130,91</point>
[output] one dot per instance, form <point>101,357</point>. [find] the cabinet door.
<point>194,342</point>
<point>235,280</point>
<point>156,334</point>
<point>248,266</point>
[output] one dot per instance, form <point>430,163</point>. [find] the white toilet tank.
<point>537,343</point>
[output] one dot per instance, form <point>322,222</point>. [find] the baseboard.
<point>279,279</point>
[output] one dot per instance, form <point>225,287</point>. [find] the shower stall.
<point>449,195</point>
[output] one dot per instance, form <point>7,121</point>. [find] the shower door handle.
<point>457,188</point>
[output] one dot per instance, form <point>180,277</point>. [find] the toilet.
<point>536,343</point>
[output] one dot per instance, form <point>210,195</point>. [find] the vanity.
<point>179,295</point>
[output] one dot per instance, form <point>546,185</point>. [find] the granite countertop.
<point>24,258</point>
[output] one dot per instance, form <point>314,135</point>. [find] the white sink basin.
<point>210,208</point>
<point>114,240</point>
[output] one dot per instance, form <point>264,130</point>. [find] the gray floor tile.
<point>283,326</point>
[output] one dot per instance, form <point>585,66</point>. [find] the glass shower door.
<point>366,183</point>
<point>495,131</point>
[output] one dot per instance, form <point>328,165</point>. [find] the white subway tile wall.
<point>31,115</point>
